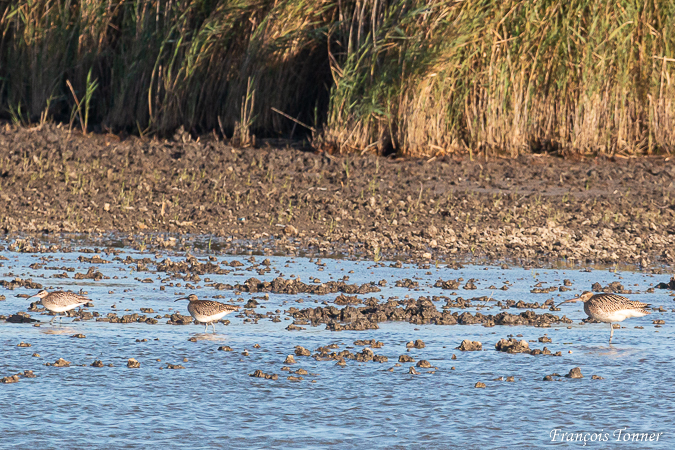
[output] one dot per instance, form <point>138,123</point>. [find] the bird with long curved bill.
<point>207,311</point>
<point>610,308</point>
<point>59,301</point>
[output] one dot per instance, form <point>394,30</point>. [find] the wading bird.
<point>59,301</point>
<point>610,308</point>
<point>207,311</point>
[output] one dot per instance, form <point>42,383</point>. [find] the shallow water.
<point>214,403</point>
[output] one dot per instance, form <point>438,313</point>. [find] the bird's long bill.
<point>184,298</point>
<point>572,300</point>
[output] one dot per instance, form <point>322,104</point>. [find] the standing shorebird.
<point>610,308</point>
<point>207,311</point>
<point>59,301</point>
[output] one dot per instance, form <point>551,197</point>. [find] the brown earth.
<point>534,209</point>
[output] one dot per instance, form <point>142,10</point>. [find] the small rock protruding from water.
<point>574,373</point>
<point>424,364</point>
<point>23,344</point>
<point>406,358</point>
<point>302,351</point>
<point>480,384</point>
<point>133,364</point>
<point>10,379</point>
<point>412,371</point>
<point>97,363</point>
<point>512,345</point>
<point>419,343</point>
<point>59,363</point>
<point>268,376</point>
<point>470,346</point>
<point>174,366</point>
<point>596,377</point>
<point>225,348</point>
<point>289,360</point>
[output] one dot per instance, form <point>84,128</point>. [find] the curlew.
<point>610,308</point>
<point>207,311</point>
<point>59,301</point>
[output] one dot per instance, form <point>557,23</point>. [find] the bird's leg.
<point>214,327</point>
<point>611,333</point>
<point>51,322</point>
<point>206,327</point>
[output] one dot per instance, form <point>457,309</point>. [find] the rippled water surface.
<point>214,402</point>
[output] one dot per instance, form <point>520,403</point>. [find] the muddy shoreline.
<point>168,193</point>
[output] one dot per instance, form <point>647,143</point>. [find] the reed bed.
<point>415,77</point>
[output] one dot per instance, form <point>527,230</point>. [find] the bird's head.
<point>584,297</point>
<point>191,297</point>
<point>42,294</point>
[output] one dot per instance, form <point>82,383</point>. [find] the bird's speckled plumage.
<point>208,311</point>
<point>610,308</point>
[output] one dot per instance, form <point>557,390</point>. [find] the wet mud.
<point>159,193</point>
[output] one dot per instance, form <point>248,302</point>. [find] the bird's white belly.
<point>207,319</point>
<point>618,316</point>
<point>59,309</point>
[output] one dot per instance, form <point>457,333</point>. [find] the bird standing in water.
<point>207,311</point>
<point>610,308</point>
<point>59,301</point>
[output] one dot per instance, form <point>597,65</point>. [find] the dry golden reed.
<point>416,77</point>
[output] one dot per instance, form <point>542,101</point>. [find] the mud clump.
<point>370,343</point>
<point>92,274</point>
<point>21,317</point>
<point>347,300</point>
<point>133,364</point>
<point>612,288</point>
<point>669,285</point>
<point>449,284</point>
<point>302,351</point>
<point>179,319</point>
<point>415,344</point>
<point>366,355</point>
<point>282,286</point>
<point>407,283</point>
<point>11,379</point>
<point>59,363</point>
<point>418,312</point>
<point>174,366</point>
<point>19,283</point>
<point>574,373</point>
<point>512,346</point>
<point>260,374</point>
<point>470,346</point>
<point>16,377</point>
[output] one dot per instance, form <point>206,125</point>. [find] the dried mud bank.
<point>163,193</point>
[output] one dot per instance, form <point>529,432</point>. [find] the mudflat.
<point>534,208</point>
